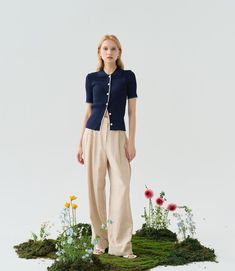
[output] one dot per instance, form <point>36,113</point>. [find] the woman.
<point>104,145</point>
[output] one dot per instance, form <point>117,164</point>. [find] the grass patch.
<point>35,249</point>
<point>160,248</point>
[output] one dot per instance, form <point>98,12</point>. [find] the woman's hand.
<point>79,155</point>
<point>130,150</point>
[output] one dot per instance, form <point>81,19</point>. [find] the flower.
<point>69,240</point>
<point>103,226</point>
<point>73,197</point>
<point>67,204</point>
<point>171,206</point>
<point>70,231</point>
<point>109,221</point>
<point>159,201</point>
<point>148,193</point>
<point>74,206</point>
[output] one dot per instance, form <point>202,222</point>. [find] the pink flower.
<point>148,193</point>
<point>159,201</point>
<point>171,206</point>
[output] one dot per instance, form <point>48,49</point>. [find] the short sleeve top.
<point>109,92</point>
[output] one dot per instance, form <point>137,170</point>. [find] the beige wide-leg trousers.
<point>105,150</point>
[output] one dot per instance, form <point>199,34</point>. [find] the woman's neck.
<point>110,68</point>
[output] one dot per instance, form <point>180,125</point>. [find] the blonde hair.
<point>119,62</point>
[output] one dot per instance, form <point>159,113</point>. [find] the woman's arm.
<point>80,149</point>
<point>86,116</point>
<point>132,128</point>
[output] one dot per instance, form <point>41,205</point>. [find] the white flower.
<point>70,231</point>
<point>103,226</point>
<point>95,241</point>
<point>90,250</point>
<point>69,240</point>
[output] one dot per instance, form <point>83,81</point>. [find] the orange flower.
<point>67,204</point>
<point>74,206</point>
<point>73,197</point>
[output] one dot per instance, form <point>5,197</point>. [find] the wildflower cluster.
<point>103,227</point>
<point>73,242</point>
<point>44,232</point>
<point>157,216</point>
<point>186,225</point>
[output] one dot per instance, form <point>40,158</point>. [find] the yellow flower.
<point>73,197</point>
<point>74,206</point>
<point>67,204</point>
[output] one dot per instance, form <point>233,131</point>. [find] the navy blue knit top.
<point>109,92</point>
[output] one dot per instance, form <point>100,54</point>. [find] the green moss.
<point>158,235</point>
<point>34,249</point>
<point>155,253</point>
<point>190,250</point>
<point>150,252</point>
<point>78,264</point>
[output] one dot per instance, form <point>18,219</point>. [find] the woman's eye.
<point>113,49</point>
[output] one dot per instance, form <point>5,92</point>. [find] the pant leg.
<point>95,162</point>
<point>119,169</point>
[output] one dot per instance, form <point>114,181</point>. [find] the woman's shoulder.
<point>130,74</point>
<point>91,73</point>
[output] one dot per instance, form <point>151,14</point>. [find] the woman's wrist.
<point>131,141</point>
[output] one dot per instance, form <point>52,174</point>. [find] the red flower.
<point>171,206</point>
<point>159,201</point>
<point>148,193</point>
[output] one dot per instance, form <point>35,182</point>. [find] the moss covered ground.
<point>151,251</point>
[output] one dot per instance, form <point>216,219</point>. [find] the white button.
<point>111,124</point>
<point>109,113</point>
<point>108,84</point>
<point>106,103</point>
<point>107,93</point>
<point>109,76</point>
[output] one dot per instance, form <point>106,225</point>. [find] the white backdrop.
<point>182,53</point>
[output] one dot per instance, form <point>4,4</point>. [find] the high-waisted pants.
<point>105,150</point>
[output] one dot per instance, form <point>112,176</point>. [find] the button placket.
<point>108,94</point>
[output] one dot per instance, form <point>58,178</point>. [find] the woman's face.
<point>109,51</point>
